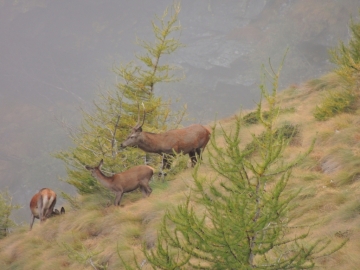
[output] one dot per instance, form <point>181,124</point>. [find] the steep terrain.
<point>52,63</point>
<point>94,235</point>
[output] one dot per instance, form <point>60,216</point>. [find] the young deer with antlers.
<point>123,182</point>
<point>42,205</point>
<point>190,140</point>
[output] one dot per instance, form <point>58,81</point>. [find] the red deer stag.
<point>123,182</point>
<point>190,140</point>
<point>42,205</point>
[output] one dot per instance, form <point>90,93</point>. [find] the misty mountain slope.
<point>329,179</point>
<point>56,55</point>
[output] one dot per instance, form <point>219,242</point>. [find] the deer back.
<point>47,196</point>
<point>130,179</point>
<point>178,140</point>
<point>186,139</point>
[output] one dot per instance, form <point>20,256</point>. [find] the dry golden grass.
<point>329,179</point>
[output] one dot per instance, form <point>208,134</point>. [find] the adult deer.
<point>123,182</point>
<point>42,205</point>
<point>189,140</point>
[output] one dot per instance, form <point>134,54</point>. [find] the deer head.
<point>93,170</point>
<point>133,138</point>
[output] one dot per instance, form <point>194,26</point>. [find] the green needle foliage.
<point>347,57</point>
<point>83,255</point>
<point>6,207</point>
<point>240,219</point>
<point>116,111</point>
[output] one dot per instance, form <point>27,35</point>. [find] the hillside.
<point>53,64</point>
<point>93,236</point>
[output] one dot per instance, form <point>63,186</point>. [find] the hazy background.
<point>55,56</point>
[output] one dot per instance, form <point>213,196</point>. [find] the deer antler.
<point>142,103</point>
<point>138,122</point>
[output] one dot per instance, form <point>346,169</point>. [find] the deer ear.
<point>139,129</point>
<point>87,167</point>
<point>62,211</point>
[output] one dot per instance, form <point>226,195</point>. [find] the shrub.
<point>335,102</point>
<point>6,207</point>
<point>347,57</point>
<point>326,82</point>
<point>289,132</point>
<point>252,118</point>
<point>347,60</point>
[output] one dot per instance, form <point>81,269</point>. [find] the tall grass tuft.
<point>335,102</point>
<point>344,97</point>
<point>351,211</point>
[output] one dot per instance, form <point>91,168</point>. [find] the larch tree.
<point>115,111</point>
<point>239,218</point>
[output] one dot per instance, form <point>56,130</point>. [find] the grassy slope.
<point>330,197</point>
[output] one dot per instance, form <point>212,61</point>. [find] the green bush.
<point>252,118</point>
<point>6,208</point>
<point>335,102</point>
<point>347,56</point>
<point>329,81</point>
<point>288,132</point>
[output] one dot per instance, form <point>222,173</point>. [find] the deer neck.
<point>106,181</point>
<point>151,142</point>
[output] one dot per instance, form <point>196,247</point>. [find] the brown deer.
<point>42,205</point>
<point>123,182</point>
<point>190,140</point>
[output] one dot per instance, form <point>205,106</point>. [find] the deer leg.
<point>32,221</point>
<point>40,205</point>
<point>199,152</point>
<point>145,187</point>
<point>146,190</point>
<point>166,164</point>
<point>49,211</point>
<point>193,158</point>
<point>118,198</point>
<point>143,190</point>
